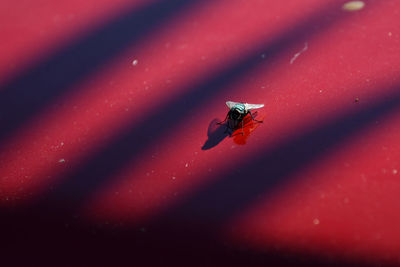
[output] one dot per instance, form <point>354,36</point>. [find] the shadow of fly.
<point>237,112</point>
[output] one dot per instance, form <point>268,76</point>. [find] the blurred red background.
<point>110,152</point>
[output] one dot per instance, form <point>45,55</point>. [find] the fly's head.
<point>237,112</point>
<point>234,114</point>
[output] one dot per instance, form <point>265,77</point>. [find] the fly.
<point>237,112</point>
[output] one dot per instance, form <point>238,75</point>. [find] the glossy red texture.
<point>110,153</point>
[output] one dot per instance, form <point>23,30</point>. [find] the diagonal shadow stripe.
<point>29,93</point>
<point>129,146</point>
<point>85,245</point>
<point>233,193</point>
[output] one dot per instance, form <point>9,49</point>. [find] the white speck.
<point>183,46</point>
<point>135,62</point>
<point>394,171</point>
<point>389,34</point>
<point>316,221</point>
<point>299,53</point>
<point>363,177</point>
<point>346,200</point>
<point>56,18</point>
<point>187,165</point>
<point>320,91</point>
<point>61,161</point>
<point>263,55</point>
<point>173,177</point>
<point>62,143</point>
<point>353,5</point>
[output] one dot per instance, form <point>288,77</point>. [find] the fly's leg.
<point>254,118</point>
<point>221,122</point>
<point>242,128</point>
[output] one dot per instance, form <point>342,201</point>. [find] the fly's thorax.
<point>240,107</point>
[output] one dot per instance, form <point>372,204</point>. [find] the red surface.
<point>107,161</point>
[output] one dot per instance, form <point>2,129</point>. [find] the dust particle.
<point>316,221</point>
<point>353,6</point>
<point>356,100</point>
<point>61,161</point>
<point>394,171</point>
<point>135,62</point>
<point>299,53</point>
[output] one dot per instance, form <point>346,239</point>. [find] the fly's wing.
<point>253,106</point>
<point>231,104</point>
